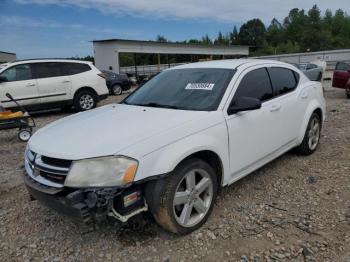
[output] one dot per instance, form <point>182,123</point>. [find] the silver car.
<point>312,71</point>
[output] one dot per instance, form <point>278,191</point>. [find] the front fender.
<point>165,160</point>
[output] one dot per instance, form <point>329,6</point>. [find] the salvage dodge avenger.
<point>170,145</point>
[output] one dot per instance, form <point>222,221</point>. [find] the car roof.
<point>48,60</point>
<point>229,63</point>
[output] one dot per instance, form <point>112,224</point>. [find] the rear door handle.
<point>65,81</point>
<point>274,108</point>
<point>304,95</point>
<point>31,84</point>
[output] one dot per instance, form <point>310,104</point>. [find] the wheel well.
<point>85,88</point>
<point>318,111</point>
<point>212,159</point>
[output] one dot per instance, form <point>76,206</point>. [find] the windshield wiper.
<point>154,104</point>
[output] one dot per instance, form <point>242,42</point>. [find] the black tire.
<point>305,148</point>
<point>90,103</point>
<point>24,134</point>
<point>161,193</point>
<point>348,95</point>
<point>116,90</point>
<point>319,78</point>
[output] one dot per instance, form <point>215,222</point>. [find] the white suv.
<point>49,83</point>
<point>170,145</point>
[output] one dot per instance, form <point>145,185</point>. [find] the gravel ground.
<point>295,208</point>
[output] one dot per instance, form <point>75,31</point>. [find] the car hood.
<point>106,130</point>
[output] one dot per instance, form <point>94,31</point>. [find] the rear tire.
<point>85,100</point>
<point>116,90</point>
<point>183,201</point>
<point>319,78</point>
<point>312,136</point>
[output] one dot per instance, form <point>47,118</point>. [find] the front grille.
<point>46,170</point>
<point>53,177</point>
<point>56,161</point>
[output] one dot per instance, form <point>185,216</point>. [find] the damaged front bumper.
<point>90,205</point>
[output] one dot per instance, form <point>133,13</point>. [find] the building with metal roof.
<point>7,57</point>
<point>106,52</point>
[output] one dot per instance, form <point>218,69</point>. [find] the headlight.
<point>101,172</point>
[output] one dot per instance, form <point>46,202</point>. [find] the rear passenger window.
<point>255,84</point>
<point>46,70</point>
<point>283,80</point>
<point>75,68</point>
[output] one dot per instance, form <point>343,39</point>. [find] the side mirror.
<point>3,79</point>
<point>244,104</point>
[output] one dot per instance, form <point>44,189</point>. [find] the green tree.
<point>161,38</point>
<point>295,24</point>
<point>206,40</point>
<point>234,39</point>
<point>275,33</point>
<point>252,33</point>
<point>312,36</point>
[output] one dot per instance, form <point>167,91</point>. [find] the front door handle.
<point>275,108</point>
<point>31,84</point>
<point>65,81</point>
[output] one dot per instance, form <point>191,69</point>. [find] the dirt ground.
<point>295,208</point>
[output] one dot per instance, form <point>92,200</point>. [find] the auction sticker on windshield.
<point>199,86</point>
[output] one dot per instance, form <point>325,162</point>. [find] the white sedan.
<point>170,145</point>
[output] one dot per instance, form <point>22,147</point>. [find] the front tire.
<point>312,136</point>
<point>186,198</point>
<point>85,100</point>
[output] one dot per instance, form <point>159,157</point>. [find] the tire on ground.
<point>160,195</point>
<point>77,105</point>
<point>116,90</point>
<point>304,148</point>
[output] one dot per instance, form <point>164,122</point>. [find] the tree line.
<point>300,31</point>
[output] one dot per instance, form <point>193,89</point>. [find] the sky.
<point>65,28</point>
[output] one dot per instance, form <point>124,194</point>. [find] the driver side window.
<point>255,84</point>
<point>18,73</point>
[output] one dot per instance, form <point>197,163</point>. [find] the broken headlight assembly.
<point>101,172</point>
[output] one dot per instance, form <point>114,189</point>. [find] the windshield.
<point>187,89</point>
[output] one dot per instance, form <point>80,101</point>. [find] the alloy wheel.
<point>314,134</point>
<point>86,102</point>
<point>193,197</point>
<point>117,90</point>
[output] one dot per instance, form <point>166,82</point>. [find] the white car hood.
<point>106,130</point>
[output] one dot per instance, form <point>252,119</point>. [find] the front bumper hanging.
<point>90,205</point>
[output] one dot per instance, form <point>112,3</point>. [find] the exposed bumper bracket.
<point>121,218</point>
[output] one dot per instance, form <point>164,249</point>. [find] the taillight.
<point>102,75</point>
